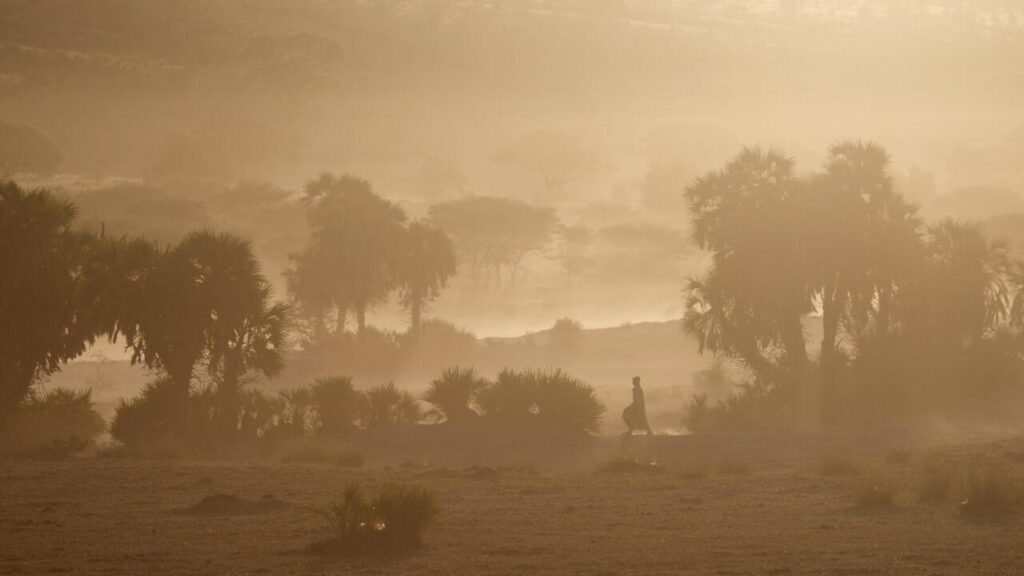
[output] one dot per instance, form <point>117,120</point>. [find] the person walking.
<point>635,415</point>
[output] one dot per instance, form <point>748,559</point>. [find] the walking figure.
<point>635,415</point>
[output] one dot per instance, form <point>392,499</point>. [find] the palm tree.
<point>44,261</point>
<point>759,268</point>
<point>202,299</point>
<point>867,236</point>
<point>428,263</point>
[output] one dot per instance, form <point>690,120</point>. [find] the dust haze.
<point>537,286</point>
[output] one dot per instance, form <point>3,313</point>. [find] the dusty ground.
<point>739,506</point>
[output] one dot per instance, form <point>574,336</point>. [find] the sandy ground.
<point>740,506</point>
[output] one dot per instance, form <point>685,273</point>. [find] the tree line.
<point>914,316</point>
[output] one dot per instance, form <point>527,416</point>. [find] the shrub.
<point>386,405</point>
<point>260,415</point>
<point>393,521</point>
<point>989,491</point>
<point>147,417</point>
<point>60,422</point>
<point>452,393</point>
<point>511,398</point>
<point>565,335</point>
<point>697,417</point>
<point>567,404</point>
<point>335,403</point>
<point>298,416</point>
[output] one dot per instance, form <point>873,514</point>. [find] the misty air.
<point>512,287</point>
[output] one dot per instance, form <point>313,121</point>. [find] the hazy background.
<point>182,114</point>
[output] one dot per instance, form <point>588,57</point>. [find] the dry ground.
<point>740,506</point>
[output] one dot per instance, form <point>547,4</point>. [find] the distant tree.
<point>753,299</point>
<point>492,233</point>
<point>427,262</point>
<point>453,392</point>
<point>868,238</point>
<point>353,259</point>
<point>42,290</point>
<point>558,157</point>
<point>25,150</point>
<point>576,242</point>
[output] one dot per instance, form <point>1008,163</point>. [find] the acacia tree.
<point>492,233</point>
<point>352,261</point>
<point>428,263</point>
<point>42,321</point>
<point>558,157</point>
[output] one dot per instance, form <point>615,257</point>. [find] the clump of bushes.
<point>552,400</point>
<point>453,392</point>
<point>565,335</point>
<point>392,521</point>
<point>60,422</point>
<point>386,405</point>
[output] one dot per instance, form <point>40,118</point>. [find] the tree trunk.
<point>361,316</point>
<point>339,323</point>
<point>415,312</point>
<point>229,404</point>
<point>830,309</point>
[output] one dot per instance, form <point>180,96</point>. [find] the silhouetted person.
<point>635,415</point>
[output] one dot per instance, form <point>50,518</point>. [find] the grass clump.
<point>393,521</point>
<point>990,491</point>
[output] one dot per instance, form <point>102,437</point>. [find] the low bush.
<point>554,400</point>
<point>385,405</point>
<point>335,404</point>
<point>61,422</point>
<point>393,521</point>
<point>452,394</point>
<point>566,335</point>
<point>567,404</point>
<point>511,398</point>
